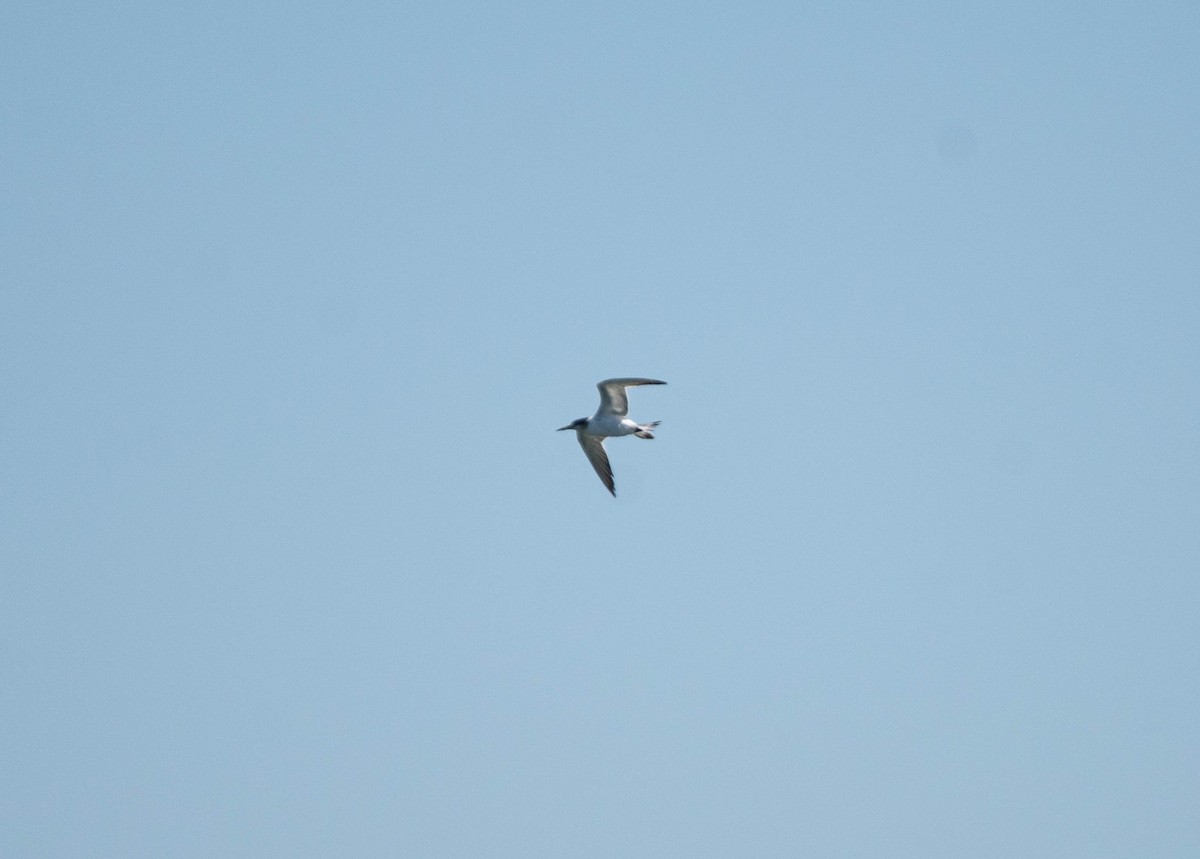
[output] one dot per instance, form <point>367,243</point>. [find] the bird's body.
<point>607,426</point>
<point>610,420</point>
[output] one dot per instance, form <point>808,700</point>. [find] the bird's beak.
<point>568,426</point>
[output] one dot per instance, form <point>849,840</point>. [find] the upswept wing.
<point>614,400</point>
<point>593,446</point>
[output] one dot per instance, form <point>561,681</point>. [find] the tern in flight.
<point>610,420</point>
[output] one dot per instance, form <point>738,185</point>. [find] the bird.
<point>610,420</point>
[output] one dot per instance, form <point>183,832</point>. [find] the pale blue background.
<point>294,296</point>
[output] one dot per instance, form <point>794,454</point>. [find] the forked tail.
<point>643,430</point>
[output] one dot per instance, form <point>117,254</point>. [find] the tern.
<point>610,420</point>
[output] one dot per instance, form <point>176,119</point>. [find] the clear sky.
<point>294,296</point>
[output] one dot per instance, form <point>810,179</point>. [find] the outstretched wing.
<point>593,446</point>
<point>613,399</point>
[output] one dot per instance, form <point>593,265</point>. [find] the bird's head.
<point>575,425</point>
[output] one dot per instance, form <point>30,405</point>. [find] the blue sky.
<point>294,563</point>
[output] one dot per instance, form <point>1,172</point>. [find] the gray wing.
<point>593,446</point>
<point>613,399</point>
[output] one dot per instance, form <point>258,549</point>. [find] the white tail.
<point>644,429</point>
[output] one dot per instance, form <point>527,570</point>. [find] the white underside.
<point>610,425</point>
